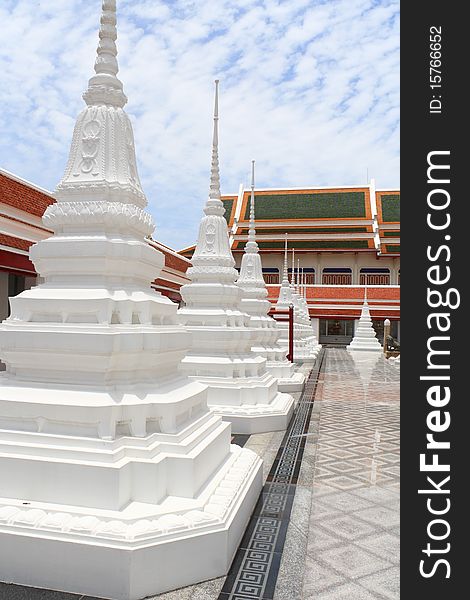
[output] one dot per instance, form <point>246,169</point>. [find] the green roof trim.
<point>311,230</point>
<point>336,244</point>
<point>327,205</point>
<point>228,205</point>
<point>392,248</point>
<point>391,234</point>
<point>391,208</point>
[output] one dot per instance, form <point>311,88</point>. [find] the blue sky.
<point>310,89</point>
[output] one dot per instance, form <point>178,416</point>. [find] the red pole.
<point>291,333</point>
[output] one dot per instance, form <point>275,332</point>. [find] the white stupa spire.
<point>104,87</point>
<point>298,278</point>
<point>292,280</point>
<point>251,269</point>
<point>256,304</point>
<point>364,335</point>
<point>252,230</point>
<point>215,311</point>
<point>214,200</point>
<point>102,164</point>
<point>285,273</point>
<point>284,299</point>
<point>93,391</point>
<point>213,244</point>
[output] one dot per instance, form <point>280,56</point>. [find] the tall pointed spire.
<point>213,243</point>
<point>285,277</point>
<point>102,164</point>
<point>104,87</point>
<point>285,291</point>
<point>251,246</point>
<point>251,230</point>
<point>214,192</point>
<point>293,270</point>
<point>298,276</point>
<point>94,349</point>
<point>251,269</point>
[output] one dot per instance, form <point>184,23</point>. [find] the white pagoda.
<point>364,336</point>
<point>240,387</point>
<point>312,341</point>
<point>255,302</point>
<point>117,481</point>
<point>304,350</point>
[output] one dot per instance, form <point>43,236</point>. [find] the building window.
<point>374,277</point>
<point>309,275</point>
<point>271,276</point>
<point>336,327</point>
<point>337,276</point>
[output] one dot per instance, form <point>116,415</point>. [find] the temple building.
<point>346,239</point>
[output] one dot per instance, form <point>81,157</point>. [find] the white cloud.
<point>309,88</point>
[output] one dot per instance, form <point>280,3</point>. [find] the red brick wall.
<point>23,197</point>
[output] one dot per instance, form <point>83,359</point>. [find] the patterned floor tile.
<point>343,482</point>
<point>347,527</point>
<point>357,461</point>
<point>384,544</point>
<point>382,516</point>
<point>376,495</point>
<point>348,591</point>
<point>352,562</point>
<point>386,583</point>
<point>345,501</point>
<point>320,578</point>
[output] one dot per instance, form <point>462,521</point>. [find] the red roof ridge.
<point>164,247</point>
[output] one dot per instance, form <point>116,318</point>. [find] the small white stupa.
<point>364,336</point>
<point>117,481</point>
<point>240,387</point>
<point>312,342</point>
<point>255,302</point>
<point>303,346</point>
<point>284,302</point>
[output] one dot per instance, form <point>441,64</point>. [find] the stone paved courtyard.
<point>342,538</point>
<point>353,534</point>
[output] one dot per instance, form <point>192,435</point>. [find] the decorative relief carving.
<point>104,94</point>
<point>215,511</point>
<point>210,239</point>
<point>90,147</point>
<point>133,175</point>
<point>91,213</point>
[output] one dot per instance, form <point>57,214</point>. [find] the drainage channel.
<point>254,571</point>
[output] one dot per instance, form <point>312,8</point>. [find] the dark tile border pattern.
<point>254,571</point>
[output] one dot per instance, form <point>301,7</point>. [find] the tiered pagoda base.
<point>247,395</point>
<point>288,380</point>
<point>143,549</point>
